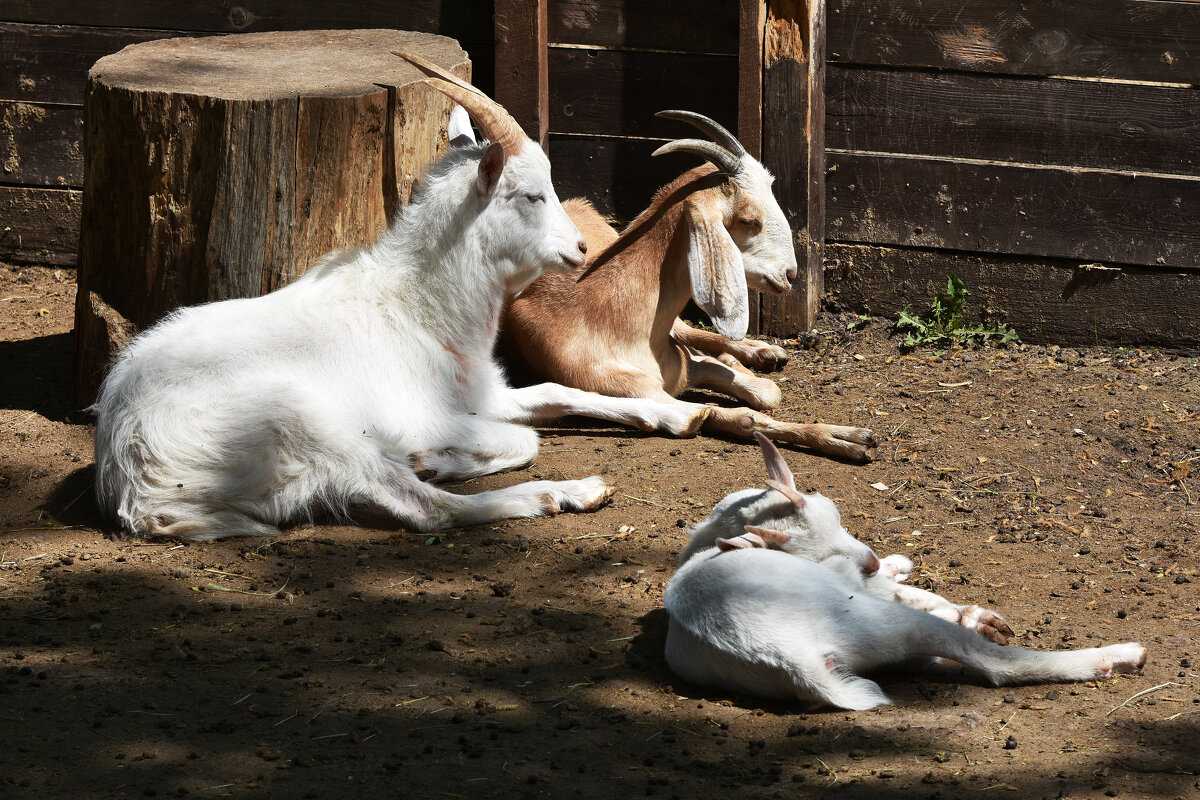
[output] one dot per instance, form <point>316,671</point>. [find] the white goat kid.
<point>613,327</point>
<point>799,609</point>
<point>230,418</point>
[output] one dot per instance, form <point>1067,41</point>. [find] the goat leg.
<point>753,353</point>
<point>547,402</point>
<point>850,444</point>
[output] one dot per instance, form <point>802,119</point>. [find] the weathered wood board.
<point>40,144</point>
<point>1094,215</point>
<point>1140,40</point>
<point>1046,300</point>
<point>1035,120</point>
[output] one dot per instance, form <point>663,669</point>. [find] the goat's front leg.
<point>886,586</point>
<point>706,372</point>
<point>851,444</point>
<point>753,353</point>
<point>548,402</point>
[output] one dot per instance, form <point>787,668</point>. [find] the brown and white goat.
<point>613,326</point>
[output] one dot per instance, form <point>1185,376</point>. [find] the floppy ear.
<point>491,167</point>
<point>717,274</point>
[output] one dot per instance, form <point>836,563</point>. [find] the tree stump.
<point>224,166</point>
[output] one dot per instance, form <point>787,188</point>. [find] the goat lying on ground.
<point>774,598</point>
<point>227,419</point>
<point>613,327</point>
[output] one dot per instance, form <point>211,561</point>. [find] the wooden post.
<point>225,166</point>
<point>789,56</point>
<point>522,75</point>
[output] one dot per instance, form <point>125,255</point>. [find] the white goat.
<point>227,419</point>
<point>613,326</point>
<point>774,598</point>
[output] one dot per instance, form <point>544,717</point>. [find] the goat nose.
<point>583,247</point>
<point>870,564</point>
<point>791,274</point>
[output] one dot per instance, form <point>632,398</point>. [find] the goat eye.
<point>536,198</point>
<point>750,222</point>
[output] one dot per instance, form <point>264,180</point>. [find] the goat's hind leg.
<point>705,372</point>
<point>839,441</point>
<point>478,446</point>
<point>424,507</point>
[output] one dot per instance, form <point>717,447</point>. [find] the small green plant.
<point>944,326</point>
<point>859,322</point>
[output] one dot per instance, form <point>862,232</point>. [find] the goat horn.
<point>725,161</point>
<point>788,491</point>
<point>494,122</point>
<point>714,131</point>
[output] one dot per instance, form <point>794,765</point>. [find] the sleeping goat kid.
<point>229,418</point>
<point>775,599</point>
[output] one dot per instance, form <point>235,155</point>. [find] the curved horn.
<point>494,122</point>
<point>714,131</point>
<point>724,160</point>
<point>769,535</point>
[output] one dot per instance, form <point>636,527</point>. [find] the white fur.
<point>806,620</point>
<point>229,418</point>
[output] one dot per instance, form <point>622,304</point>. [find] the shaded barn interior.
<point>1046,153</point>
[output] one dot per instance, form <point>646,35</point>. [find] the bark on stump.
<point>225,166</point>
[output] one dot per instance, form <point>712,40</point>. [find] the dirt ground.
<point>525,659</point>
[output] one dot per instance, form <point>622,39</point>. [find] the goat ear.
<point>459,131</point>
<point>717,274</point>
<point>769,536</point>
<point>491,167</point>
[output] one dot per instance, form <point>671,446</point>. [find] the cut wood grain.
<point>1046,300</point>
<point>1144,40</point>
<point>1035,120</point>
<point>1092,215</point>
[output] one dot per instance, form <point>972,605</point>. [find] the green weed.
<point>944,327</point>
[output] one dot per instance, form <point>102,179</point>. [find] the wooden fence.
<point>1047,153</point>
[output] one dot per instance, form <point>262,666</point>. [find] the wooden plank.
<point>1093,215</point>
<point>524,85</point>
<point>40,145</point>
<point>1146,40</point>
<point>465,20</point>
<point>605,92</point>
<point>793,144</point>
<point>1038,120</point>
<point>752,22</point>
<point>616,174</point>
<point>684,26</point>
<point>49,63</point>
<point>1046,300</point>
<point>39,226</point>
